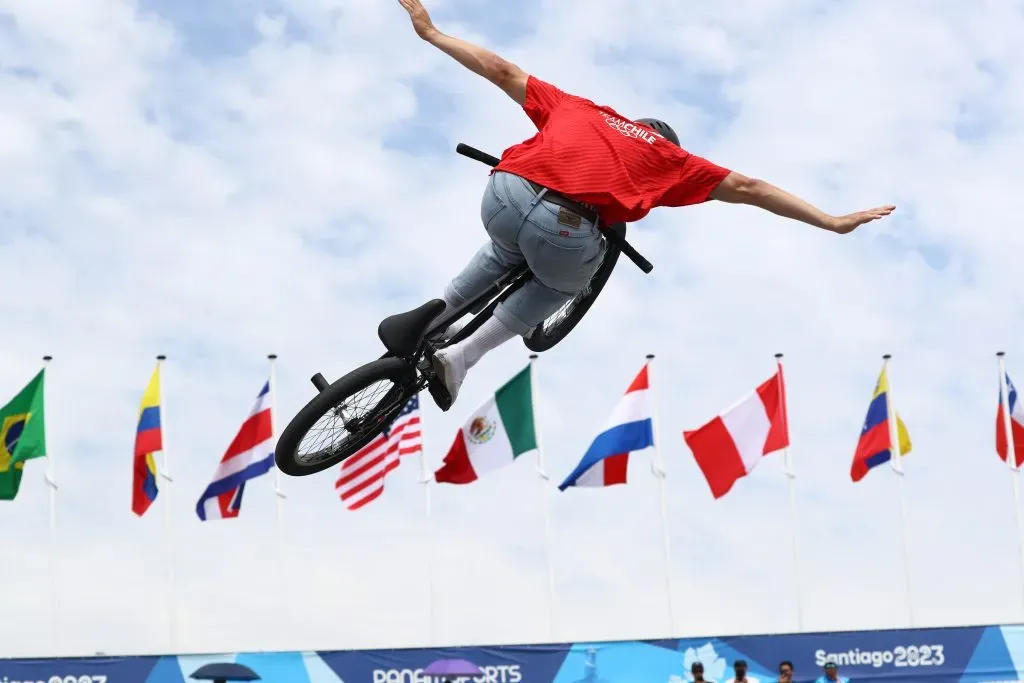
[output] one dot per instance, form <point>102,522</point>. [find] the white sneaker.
<point>451,370</point>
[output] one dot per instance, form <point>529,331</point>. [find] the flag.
<point>249,455</point>
<point>1016,411</point>
<point>362,474</point>
<point>496,433</point>
<point>22,435</point>
<point>729,446</point>
<point>630,428</point>
<point>148,441</point>
<point>875,445</point>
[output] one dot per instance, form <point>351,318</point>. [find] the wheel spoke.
<point>347,421</point>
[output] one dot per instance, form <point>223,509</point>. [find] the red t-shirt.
<point>592,154</point>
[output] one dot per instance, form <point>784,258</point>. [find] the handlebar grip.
<point>473,153</point>
<point>635,256</point>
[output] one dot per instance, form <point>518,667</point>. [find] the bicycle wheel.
<point>345,417</point>
<point>561,322</point>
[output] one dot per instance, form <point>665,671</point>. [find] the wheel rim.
<point>351,420</point>
<point>552,323</point>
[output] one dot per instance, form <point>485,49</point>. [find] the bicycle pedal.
<point>441,397</point>
<point>435,386</point>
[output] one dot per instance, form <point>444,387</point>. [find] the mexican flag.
<point>22,435</point>
<point>495,434</point>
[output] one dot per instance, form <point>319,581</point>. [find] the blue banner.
<point>984,654</point>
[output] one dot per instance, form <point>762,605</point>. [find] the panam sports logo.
<point>498,673</point>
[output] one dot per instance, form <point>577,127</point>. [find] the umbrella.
<point>222,672</point>
<point>453,667</point>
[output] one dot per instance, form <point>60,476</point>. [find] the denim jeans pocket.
<point>562,263</point>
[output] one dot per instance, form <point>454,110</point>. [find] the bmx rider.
<point>544,202</point>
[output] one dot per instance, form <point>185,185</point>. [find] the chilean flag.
<point>630,428</point>
<point>728,447</point>
<point>250,455</point>
<point>1016,411</point>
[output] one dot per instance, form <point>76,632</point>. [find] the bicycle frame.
<point>478,306</point>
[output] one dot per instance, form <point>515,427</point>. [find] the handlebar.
<point>612,236</point>
<point>473,153</point>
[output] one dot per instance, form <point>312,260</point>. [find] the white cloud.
<point>219,208</point>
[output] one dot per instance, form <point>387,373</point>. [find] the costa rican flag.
<point>249,455</point>
<point>630,428</point>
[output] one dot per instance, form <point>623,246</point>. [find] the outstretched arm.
<point>480,61</point>
<point>739,189</point>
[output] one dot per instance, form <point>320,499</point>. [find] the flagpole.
<point>658,467</point>
<point>165,474</point>
<point>897,467</point>
<point>278,491</point>
<point>425,480</point>
<point>279,495</point>
<point>787,464</point>
<point>545,500</point>
<point>1016,514</point>
<point>1011,461</point>
<point>50,476</point>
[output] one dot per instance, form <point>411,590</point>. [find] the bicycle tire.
<point>545,337</point>
<point>387,368</point>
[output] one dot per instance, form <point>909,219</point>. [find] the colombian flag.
<point>148,440</point>
<point>875,445</point>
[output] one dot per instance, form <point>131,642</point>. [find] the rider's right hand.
<point>846,224</point>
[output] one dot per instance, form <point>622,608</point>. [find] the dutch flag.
<point>629,429</point>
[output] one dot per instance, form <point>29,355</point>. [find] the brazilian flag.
<point>22,435</point>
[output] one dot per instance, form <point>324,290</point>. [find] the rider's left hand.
<point>421,22</point>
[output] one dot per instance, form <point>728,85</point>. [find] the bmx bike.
<point>350,412</point>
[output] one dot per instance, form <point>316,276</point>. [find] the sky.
<point>220,181</point>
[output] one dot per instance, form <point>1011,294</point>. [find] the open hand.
<point>421,22</point>
<point>851,221</point>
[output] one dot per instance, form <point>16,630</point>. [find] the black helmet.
<point>662,129</point>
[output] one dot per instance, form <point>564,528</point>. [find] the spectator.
<point>697,669</point>
<point>739,668</point>
<point>785,671</point>
<point>832,674</point>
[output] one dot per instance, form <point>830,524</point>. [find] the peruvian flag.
<point>730,446</point>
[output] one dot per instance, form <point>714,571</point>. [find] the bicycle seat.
<point>403,333</point>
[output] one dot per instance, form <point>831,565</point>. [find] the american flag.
<point>362,474</point>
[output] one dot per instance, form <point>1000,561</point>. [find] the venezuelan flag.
<point>148,440</point>
<point>875,445</point>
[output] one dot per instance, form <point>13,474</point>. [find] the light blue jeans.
<point>562,254</point>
